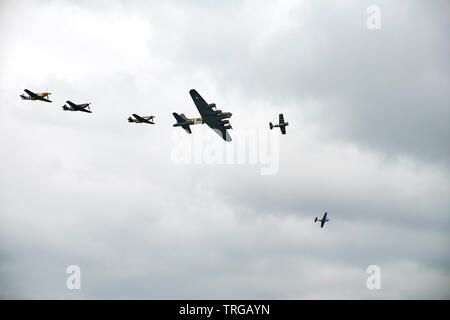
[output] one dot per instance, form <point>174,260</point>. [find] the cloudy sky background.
<point>367,142</point>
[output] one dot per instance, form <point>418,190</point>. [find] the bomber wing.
<point>203,108</point>
<point>220,130</point>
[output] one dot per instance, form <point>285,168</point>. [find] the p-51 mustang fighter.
<point>323,220</point>
<point>214,118</point>
<point>282,125</point>
<point>43,96</point>
<point>139,119</point>
<point>77,107</point>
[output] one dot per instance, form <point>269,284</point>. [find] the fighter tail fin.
<point>270,125</point>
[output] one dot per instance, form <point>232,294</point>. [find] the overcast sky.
<point>369,115</point>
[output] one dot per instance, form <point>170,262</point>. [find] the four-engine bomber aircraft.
<point>139,119</point>
<point>214,118</point>
<point>282,125</point>
<point>77,107</point>
<point>323,220</point>
<point>43,96</point>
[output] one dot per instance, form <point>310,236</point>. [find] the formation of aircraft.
<point>77,107</point>
<point>139,119</point>
<point>213,117</point>
<point>281,124</point>
<point>43,96</point>
<point>323,220</point>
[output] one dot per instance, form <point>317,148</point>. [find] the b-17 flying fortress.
<point>214,118</point>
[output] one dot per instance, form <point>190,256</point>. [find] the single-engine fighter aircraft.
<point>139,119</point>
<point>43,96</point>
<point>214,118</point>
<point>282,125</point>
<point>77,107</point>
<point>323,220</point>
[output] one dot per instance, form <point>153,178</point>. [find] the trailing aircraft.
<point>323,220</point>
<point>214,118</point>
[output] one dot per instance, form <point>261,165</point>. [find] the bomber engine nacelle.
<point>214,112</point>
<point>225,121</point>
<point>228,126</point>
<point>225,115</point>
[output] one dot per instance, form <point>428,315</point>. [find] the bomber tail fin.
<point>270,125</point>
<point>181,118</point>
<point>187,129</point>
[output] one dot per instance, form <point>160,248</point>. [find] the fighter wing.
<point>322,222</point>
<point>283,129</point>
<point>36,96</point>
<point>281,119</point>
<point>84,110</point>
<point>139,118</point>
<point>325,216</point>
<point>203,107</point>
<point>148,119</point>
<point>79,107</point>
<point>73,105</point>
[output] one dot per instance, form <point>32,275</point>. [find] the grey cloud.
<point>365,143</point>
